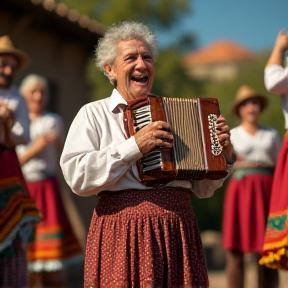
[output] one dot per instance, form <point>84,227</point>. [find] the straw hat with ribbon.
<point>6,47</point>
<point>244,93</point>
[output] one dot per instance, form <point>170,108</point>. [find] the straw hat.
<point>6,47</point>
<point>244,93</point>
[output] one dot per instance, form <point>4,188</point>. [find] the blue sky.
<point>251,23</point>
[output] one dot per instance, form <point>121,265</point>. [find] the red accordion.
<point>196,153</point>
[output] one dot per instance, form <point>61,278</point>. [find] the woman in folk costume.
<point>55,246</point>
<point>248,193</point>
<point>18,211</point>
<point>275,253</point>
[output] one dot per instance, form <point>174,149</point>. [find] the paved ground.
<point>215,257</point>
<point>217,278</point>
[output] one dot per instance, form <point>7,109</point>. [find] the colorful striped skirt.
<point>55,245</point>
<point>275,250</point>
<point>18,215</point>
<point>245,209</point>
<point>144,238</point>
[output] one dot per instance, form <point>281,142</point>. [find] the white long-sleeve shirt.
<point>20,131</point>
<point>276,81</point>
<point>45,163</point>
<point>260,149</point>
<point>98,157</point>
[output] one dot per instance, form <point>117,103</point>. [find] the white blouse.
<point>260,149</point>
<point>45,163</point>
<point>276,81</point>
<point>97,156</point>
<point>20,131</point>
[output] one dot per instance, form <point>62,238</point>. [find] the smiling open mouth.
<point>140,79</point>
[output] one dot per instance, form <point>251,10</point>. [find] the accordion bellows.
<point>196,153</point>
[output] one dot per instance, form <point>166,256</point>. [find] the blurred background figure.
<point>276,238</point>
<point>55,245</point>
<point>17,209</point>
<point>247,197</point>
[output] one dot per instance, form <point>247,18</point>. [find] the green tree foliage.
<point>209,211</point>
<point>170,79</point>
<point>252,74</point>
<point>163,13</point>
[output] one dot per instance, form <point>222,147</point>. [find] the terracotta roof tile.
<point>219,51</point>
<point>72,15</point>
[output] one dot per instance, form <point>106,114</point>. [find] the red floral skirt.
<point>275,253</point>
<point>245,210</point>
<point>144,238</point>
<point>55,244</point>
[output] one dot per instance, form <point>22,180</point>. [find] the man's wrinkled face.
<point>133,69</point>
<point>8,66</point>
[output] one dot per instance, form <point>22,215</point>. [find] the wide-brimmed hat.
<point>244,93</point>
<point>7,47</point>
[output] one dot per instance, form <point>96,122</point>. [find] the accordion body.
<point>196,153</point>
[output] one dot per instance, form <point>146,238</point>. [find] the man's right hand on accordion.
<point>158,134</point>
<point>155,134</point>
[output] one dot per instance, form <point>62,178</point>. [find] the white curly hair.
<point>106,50</point>
<point>32,79</point>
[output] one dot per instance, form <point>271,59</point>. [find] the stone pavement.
<point>215,258</point>
<point>217,279</point>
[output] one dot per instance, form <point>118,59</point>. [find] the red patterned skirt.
<point>245,211</point>
<point>275,253</point>
<point>13,268</point>
<point>55,244</point>
<point>144,238</point>
<point>18,215</point>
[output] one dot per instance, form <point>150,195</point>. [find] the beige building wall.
<point>62,61</point>
<point>62,58</point>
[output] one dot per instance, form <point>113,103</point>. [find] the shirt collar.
<point>116,102</point>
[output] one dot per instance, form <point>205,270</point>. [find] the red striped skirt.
<point>55,244</point>
<point>245,210</point>
<point>18,214</point>
<point>275,253</point>
<point>144,238</point>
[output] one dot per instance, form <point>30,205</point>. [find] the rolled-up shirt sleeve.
<point>276,79</point>
<point>90,161</point>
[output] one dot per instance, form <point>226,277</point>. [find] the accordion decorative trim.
<point>216,147</point>
<point>196,151</point>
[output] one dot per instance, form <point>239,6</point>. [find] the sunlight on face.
<point>8,66</point>
<point>133,69</point>
<point>249,110</point>
<point>36,96</point>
